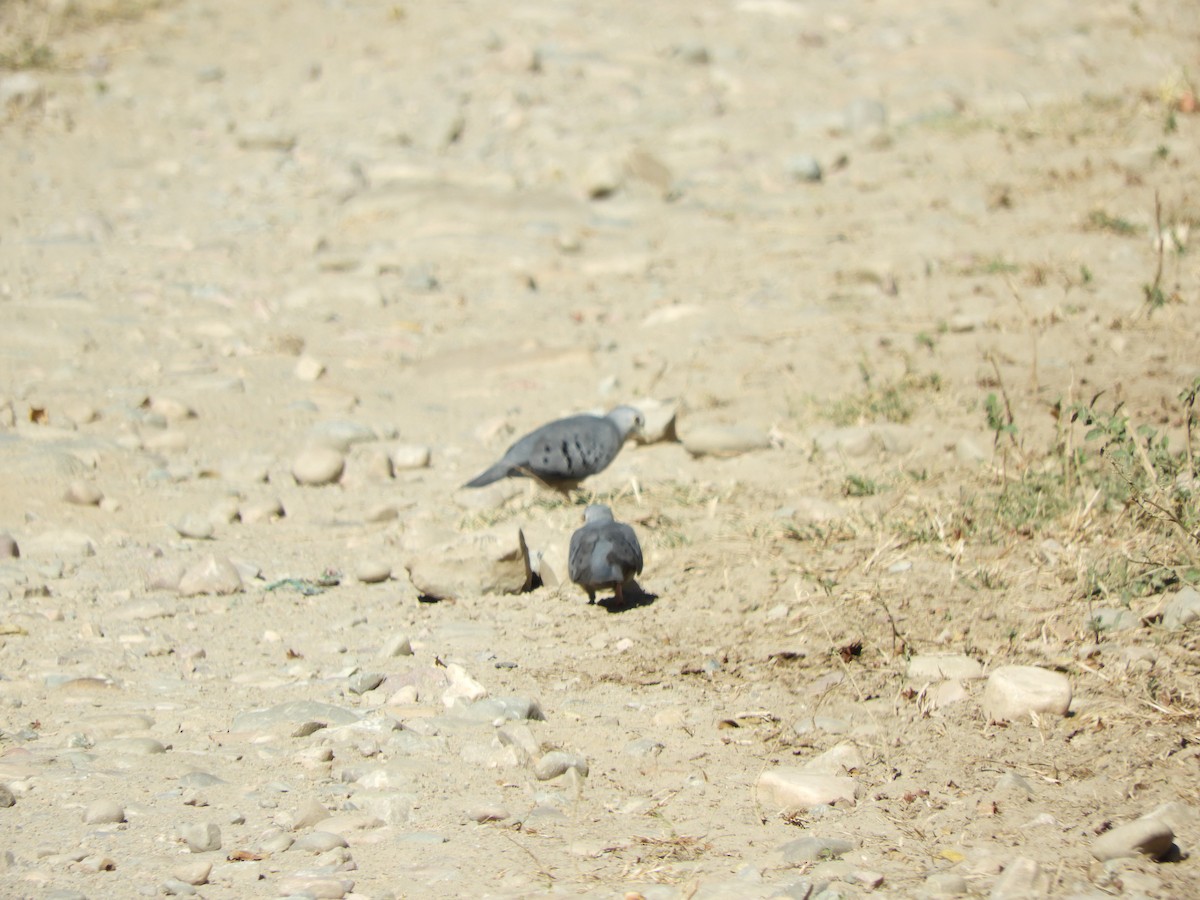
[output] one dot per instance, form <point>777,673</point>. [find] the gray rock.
<point>803,167</point>
<point>1182,609</point>
<point>294,714</point>
<point>1109,619</point>
<point>363,682</point>
<point>811,848</point>
<point>493,709</point>
<point>603,553</point>
<point>865,115</point>
<point>565,450</point>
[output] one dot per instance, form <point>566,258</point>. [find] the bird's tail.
<point>495,473</point>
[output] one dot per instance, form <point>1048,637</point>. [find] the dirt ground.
<point>910,255</point>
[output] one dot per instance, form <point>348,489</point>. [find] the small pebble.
<point>398,645</point>
<point>410,456</point>
<point>804,167</point>
<point>265,510</point>
<point>308,368</point>
<point>8,547</point>
<point>488,814</point>
<point>317,466</point>
<point>372,571</point>
<point>195,527</point>
<point>83,493</point>
<point>265,136</point>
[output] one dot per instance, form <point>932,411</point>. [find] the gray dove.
<point>604,553</point>
<point>566,450</point>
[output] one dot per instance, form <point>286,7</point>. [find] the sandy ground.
<point>233,231</point>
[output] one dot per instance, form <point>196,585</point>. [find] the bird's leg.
<point>619,590</point>
<point>591,595</point>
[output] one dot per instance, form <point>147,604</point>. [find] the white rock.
<point>463,688</point>
<point>103,812</point>
<point>66,545</point>
<point>308,368</point>
<point>210,575</point>
<point>201,838</point>
<point>411,456</point>
<point>263,510</point>
<point>397,645</point>
<point>495,561</point>
<point>319,887</point>
<point>1147,836</point>
<point>1014,692</point>
<point>195,527</point>
<point>318,465</point>
<point>558,762</point>
<point>195,872</point>
<point>843,757</point>
<point>659,418</point>
<point>791,787</point>
<point>941,666</point>
<point>171,409</point>
<point>724,440</point>
<point>372,571</point>
<point>83,493</point>
<point>1022,879</point>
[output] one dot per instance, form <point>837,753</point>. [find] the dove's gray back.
<point>604,554</point>
<point>568,449</point>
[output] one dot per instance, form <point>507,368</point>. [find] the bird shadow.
<point>633,597</point>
